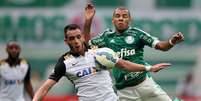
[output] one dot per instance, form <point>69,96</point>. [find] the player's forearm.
<point>40,94</point>
<point>163,45</point>
<point>87,30</point>
<point>87,26</point>
<point>127,65</point>
<point>43,90</point>
<point>29,89</point>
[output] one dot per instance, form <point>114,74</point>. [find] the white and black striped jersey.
<point>92,84</point>
<point>12,80</point>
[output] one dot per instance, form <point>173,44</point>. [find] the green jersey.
<point>129,45</point>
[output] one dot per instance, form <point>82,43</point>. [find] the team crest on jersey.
<point>129,39</point>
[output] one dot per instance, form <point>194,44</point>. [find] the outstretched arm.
<point>43,90</point>
<point>127,65</point>
<point>89,14</point>
<point>166,45</point>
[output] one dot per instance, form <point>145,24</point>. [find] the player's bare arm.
<point>29,88</point>
<point>27,84</point>
<point>89,14</point>
<point>138,67</point>
<point>166,45</point>
<point>43,90</point>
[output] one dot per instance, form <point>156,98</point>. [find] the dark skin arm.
<point>167,45</point>
<point>127,65</point>
<point>29,88</point>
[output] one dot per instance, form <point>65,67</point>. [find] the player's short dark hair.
<point>11,42</point>
<point>70,27</point>
<point>121,8</point>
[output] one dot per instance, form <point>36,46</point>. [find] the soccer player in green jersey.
<point>129,43</point>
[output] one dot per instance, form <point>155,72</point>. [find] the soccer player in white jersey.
<point>14,75</point>
<point>78,65</point>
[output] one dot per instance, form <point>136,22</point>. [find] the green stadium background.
<point>38,26</point>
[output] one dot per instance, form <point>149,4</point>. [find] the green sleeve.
<point>147,39</point>
<point>99,40</point>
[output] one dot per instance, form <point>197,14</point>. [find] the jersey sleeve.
<point>0,67</point>
<point>28,75</point>
<point>59,70</point>
<point>147,39</point>
<point>24,63</point>
<point>99,40</point>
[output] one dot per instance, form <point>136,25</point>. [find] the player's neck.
<point>121,31</point>
<point>13,61</point>
<point>78,53</point>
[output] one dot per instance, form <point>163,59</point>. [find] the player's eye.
<point>117,15</point>
<point>125,16</point>
<point>71,38</point>
<point>13,47</point>
<point>79,36</point>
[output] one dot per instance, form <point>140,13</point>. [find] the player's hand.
<point>158,67</point>
<point>177,38</point>
<point>89,11</point>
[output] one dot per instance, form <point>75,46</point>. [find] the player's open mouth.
<point>120,24</point>
<point>77,47</point>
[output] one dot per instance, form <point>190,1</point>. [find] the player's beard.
<point>121,30</point>
<point>77,51</point>
<point>14,56</point>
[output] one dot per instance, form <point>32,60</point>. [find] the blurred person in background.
<point>14,75</point>
<point>129,43</point>
<point>36,80</point>
<point>185,87</point>
<point>78,65</point>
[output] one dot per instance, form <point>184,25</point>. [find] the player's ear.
<point>131,18</point>
<point>19,48</point>
<point>112,20</point>
<point>83,38</point>
<point>65,41</point>
<point>7,49</point>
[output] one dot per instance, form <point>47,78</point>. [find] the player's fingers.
<point>178,36</point>
<point>158,70</point>
<point>160,66</point>
<point>90,6</point>
<point>164,64</point>
<point>181,35</point>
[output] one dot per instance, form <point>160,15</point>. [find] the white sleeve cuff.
<point>155,42</point>
<point>148,68</point>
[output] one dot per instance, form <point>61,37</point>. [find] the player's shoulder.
<point>108,32</point>
<point>2,62</point>
<point>137,30</point>
<point>23,61</point>
<point>66,56</point>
